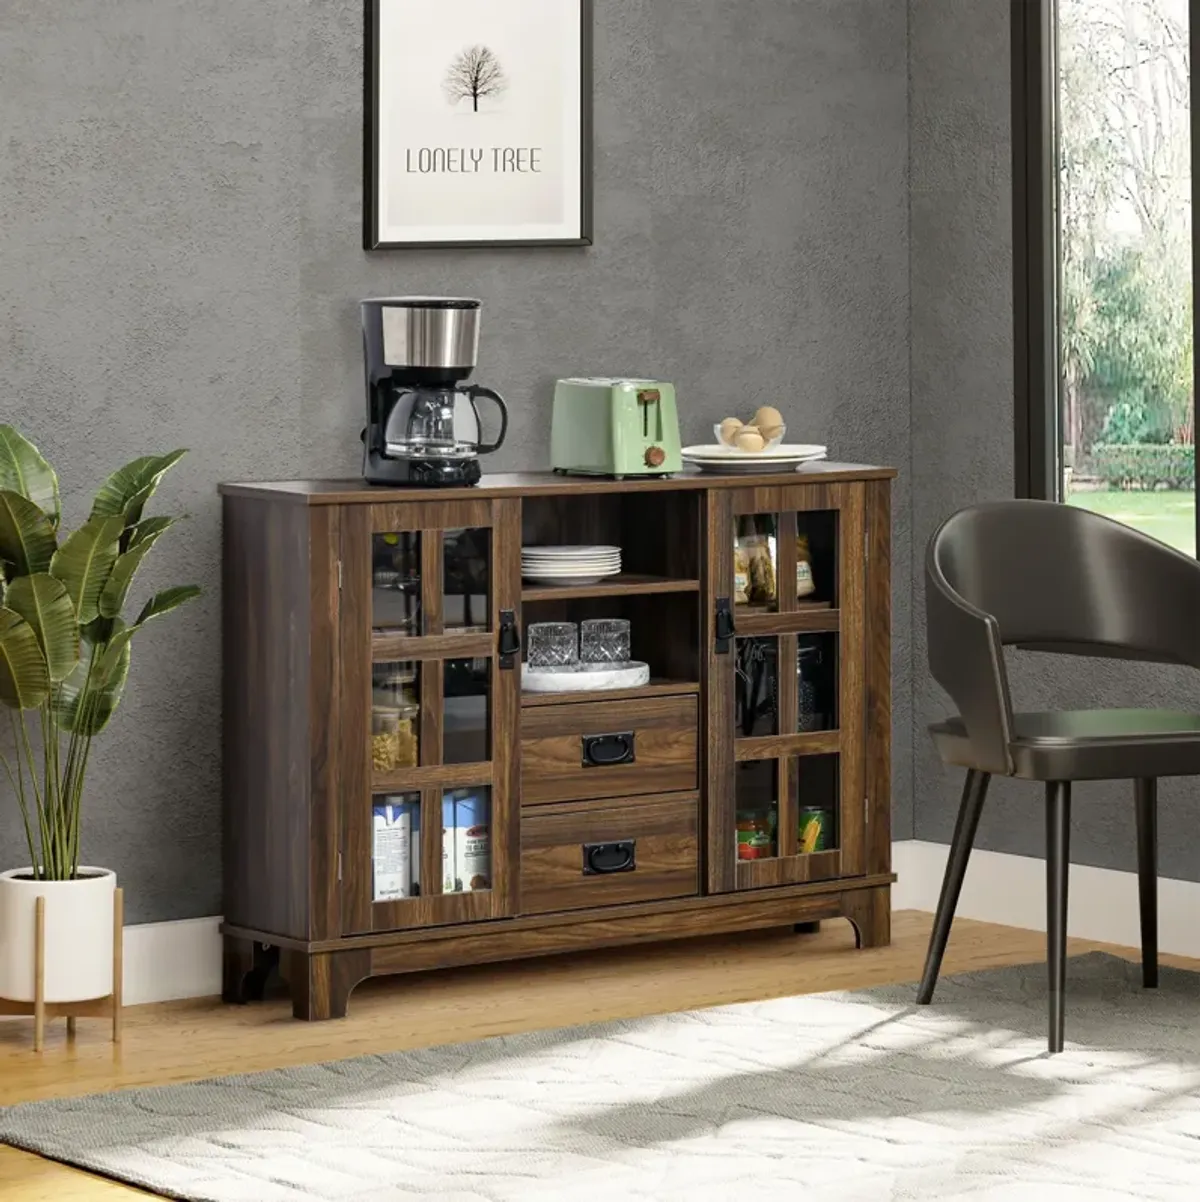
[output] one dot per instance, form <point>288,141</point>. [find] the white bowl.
<point>768,445</point>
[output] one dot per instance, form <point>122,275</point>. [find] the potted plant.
<point>64,659</point>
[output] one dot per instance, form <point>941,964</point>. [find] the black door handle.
<point>603,859</point>
<point>510,638</point>
<point>723,630</point>
<point>605,751</point>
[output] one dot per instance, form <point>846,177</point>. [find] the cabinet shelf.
<point>656,688</point>
<point>627,584</point>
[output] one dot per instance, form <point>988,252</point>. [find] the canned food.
<point>816,822</point>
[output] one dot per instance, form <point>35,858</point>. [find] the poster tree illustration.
<point>476,73</point>
<point>479,116</point>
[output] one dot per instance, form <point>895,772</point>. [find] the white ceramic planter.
<point>79,935</point>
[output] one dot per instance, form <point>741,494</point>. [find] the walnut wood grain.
<point>433,571</point>
<point>266,598</point>
<point>506,714</point>
<point>627,584</point>
<point>663,831</point>
<point>405,938</point>
<point>878,643</point>
<point>539,484</point>
<point>620,925</point>
<point>656,688</point>
<point>386,648</point>
<point>789,870</point>
<point>720,810</point>
<point>355,663</point>
<point>812,620</point>
<point>299,651</point>
<point>767,747</point>
<point>666,740</point>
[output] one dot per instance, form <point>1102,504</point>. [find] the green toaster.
<point>603,427</point>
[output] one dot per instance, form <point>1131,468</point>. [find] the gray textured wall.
<point>180,262</point>
<point>962,433</point>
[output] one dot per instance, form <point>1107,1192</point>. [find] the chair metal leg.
<point>1058,859</point>
<point>1146,795</point>
<point>975,789</point>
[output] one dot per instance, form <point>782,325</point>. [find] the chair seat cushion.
<point>1089,744</point>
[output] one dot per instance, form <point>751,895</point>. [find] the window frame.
<point>1036,261</point>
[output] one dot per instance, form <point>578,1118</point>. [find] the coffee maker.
<point>423,423</point>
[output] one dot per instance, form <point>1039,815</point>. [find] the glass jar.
<point>755,834</point>
<point>394,685</point>
<point>394,736</point>
<point>810,712</point>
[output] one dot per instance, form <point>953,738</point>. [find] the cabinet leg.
<point>870,913</point>
<point>246,965</point>
<point>321,983</point>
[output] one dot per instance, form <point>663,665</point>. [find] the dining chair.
<point>1043,576</point>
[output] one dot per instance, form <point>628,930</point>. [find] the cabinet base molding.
<point>322,976</point>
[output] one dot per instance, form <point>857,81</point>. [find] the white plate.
<point>587,573</point>
<point>584,677</point>
<point>571,563</point>
<point>714,452</point>
<point>571,552</point>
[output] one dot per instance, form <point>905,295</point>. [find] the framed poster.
<point>478,124</point>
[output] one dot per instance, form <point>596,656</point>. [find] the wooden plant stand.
<point>101,1007</point>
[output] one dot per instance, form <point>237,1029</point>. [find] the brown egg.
<point>772,432</point>
<point>767,417</point>
<point>749,439</point>
<point>729,428</point>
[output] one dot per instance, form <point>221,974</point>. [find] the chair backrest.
<point>1047,577</point>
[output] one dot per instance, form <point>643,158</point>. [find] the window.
<point>1105,326</point>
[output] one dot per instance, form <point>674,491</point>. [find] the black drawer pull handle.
<point>605,751</point>
<point>602,859</point>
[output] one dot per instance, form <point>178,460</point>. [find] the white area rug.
<point>825,1098</point>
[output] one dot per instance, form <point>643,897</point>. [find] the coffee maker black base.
<point>421,473</point>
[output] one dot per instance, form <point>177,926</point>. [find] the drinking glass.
<point>604,641</point>
<point>553,644</point>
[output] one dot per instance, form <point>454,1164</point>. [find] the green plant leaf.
<point>167,600</point>
<point>149,529</point>
<point>24,677</point>
<point>24,471</point>
<point>46,605</point>
<point>84,561</point>
<point>116,588</point>
<point>88,710</point>
<point>125,493</point>
<point>26,535</point>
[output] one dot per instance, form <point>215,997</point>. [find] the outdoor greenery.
<point>1167,516</point>
<point>64,645</point>
<point>1126,320</point>
<point>1145,465</point>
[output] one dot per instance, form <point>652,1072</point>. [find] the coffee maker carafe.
<point>423,422</point>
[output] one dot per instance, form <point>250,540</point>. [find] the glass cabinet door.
<point>429,599</point>
<point>786,670</point>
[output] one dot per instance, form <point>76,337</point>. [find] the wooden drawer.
<point>608,749</point>
<point>584,855</point>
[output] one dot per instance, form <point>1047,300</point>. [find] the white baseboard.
<point>169,960</point>
<point>1102,903</point>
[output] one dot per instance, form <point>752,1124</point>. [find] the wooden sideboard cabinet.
<point>393,802</point>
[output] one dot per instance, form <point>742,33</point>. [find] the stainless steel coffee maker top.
<point>441,333</point>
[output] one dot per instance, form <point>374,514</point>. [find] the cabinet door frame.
<point>361,647</point>
<point>848,620</point>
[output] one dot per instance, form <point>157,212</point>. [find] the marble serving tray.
<point>579,678</point>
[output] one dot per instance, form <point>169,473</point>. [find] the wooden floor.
<point>187,1041</point>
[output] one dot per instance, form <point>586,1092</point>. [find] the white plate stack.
<point>570,565</point>
<point>730,461</point>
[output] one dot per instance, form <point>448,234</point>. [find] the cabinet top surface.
<point>343,492</point>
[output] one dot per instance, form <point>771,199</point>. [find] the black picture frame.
<point>371,77</point>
